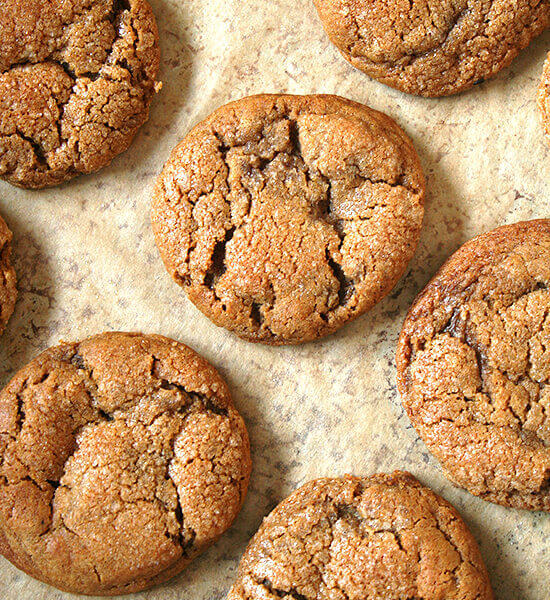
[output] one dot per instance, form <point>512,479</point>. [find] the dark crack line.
<point>208,403</point>
<point>39,152</point>
<point>218,265</point>
<point>280,593</point>
<point>346,287</point>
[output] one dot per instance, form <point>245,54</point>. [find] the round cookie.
<point>284,217</point>
<point>121,458</point>
<point>8,289</point>
<point>378,538</point>
<point>473,365</point>
<point>544,97</point>
<point>76,81</point>
<point>432,48</point>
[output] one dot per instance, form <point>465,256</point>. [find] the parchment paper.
<point>86,263</point>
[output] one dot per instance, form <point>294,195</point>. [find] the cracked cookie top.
<point>8,289</point>
<point>284,217</point>
<point>432,48</point>
<point>121,458</point>
<point>76,81</point>
<point>544,97</point>
<point>384,537</point>
<point>474,364</point>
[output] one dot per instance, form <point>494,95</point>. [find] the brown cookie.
<point>544,97</point>
<point>76,81</point>
<point>381,537</point>
<point>284,217</point>
<point>432,48</point>
<point>8,289</point>
<point>473,365</point>
<point>121,458</point>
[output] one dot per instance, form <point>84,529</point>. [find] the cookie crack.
<point>38,150</point>
<point>346,287</point>
<point>20,419</point>
<point>280,593</point>
<point>186,535</point>
<point>78,361</point>
<point>218,265</point>
<point>451,542</point>
<point>205,401</point>
<point>70,72</point>
<point>408,57</point>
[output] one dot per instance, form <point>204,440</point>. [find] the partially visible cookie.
<point>381,537</point>
<point>284,217</point>
<point>121,458</point>
<point>8,289</point>
<point>432,48</point>
<point>474,364</point>
<point>76,81</point>
<point>544,97</point>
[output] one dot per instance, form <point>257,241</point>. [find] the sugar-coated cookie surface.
<point>76,81</point>
<point>121,458</point>
<point>473,365</point>
<point>432,48</point>
<point>378,538</point>
<point>543,98</point>
<point>284,217</point>
<point>8,288</point>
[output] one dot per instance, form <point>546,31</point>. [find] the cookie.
<point>544,97</point>
<point>473,365</point>
<point>76,81</point>
<point>8,289</point>
<point>284,217</point>
<point>432,48</point>
<point>379,537</point>
<point>121,458</point>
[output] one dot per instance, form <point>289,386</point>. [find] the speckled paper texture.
<point>86,262</point>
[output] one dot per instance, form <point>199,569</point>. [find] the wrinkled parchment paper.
<point>86,263</point>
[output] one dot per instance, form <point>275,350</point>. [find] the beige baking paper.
<point>86,262</point>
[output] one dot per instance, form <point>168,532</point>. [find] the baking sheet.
<point>86,263</point>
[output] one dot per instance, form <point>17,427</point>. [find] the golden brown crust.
<point>543,98</point>
<point>375,538</point>
<point>121,458</point>
<point>76,82</point>
<point>8,288</point>
<point>432,49</point>
<point>473,365</point>
<point>284,217</point>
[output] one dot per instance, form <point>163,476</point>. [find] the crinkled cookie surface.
<point>474,364</point>
<point>432,48</point>
<point>544,98</point>
<point>284,217</point>
<point>384,537</point>
<point>8,289</point>
<point>76,81</point>
<point>121,458</point>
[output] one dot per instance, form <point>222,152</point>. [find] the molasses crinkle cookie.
<point>432,48</point>
<point>76,81</point>
<point>284,217</point>
<point>544,97</point>
<point>474,364</point>
<point>121,458</point>
<point>8,289</point>
<point>378,537</point>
